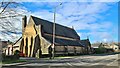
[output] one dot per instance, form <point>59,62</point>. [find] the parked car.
<point>21,54</point>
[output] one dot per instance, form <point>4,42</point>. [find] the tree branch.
<point>4,7</point>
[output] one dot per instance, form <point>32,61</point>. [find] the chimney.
<point>24,23</point>
<point>72,27</point>
<point>87,37</point>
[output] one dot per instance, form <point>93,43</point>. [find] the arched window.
<point>26,47</point>
<point>31,45</point>
<point>22,45</point>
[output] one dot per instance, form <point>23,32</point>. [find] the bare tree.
<point>10,15</point>
<point>4,6</point>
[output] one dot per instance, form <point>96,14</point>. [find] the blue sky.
<point>98,20</point>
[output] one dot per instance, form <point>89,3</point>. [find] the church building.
<point>37,38</point>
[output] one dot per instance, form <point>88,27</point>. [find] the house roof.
<point>47,27</point>
<point>18,40</point>
<point>3,44</point>
<point>85,42</point>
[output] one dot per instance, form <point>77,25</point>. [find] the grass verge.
<point>12,61</point>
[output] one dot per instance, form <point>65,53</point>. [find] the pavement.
<point>87,61</point>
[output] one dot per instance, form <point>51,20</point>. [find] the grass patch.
<point>12,61</point>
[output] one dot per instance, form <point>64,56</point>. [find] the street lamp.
<point>53,46</point>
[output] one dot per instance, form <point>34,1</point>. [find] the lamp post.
<point>53,45</point>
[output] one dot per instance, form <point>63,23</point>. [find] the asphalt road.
<point>87,61</point>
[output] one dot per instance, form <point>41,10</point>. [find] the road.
<point>86,61</point>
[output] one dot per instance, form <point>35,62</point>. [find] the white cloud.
<point>82,9</point>
<point>1,37</point>
<point>80,15</point>
<point>100,36</point>
<point>44,14</point>
<point>105,40</point>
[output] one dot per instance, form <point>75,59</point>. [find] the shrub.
<point>17,52</point>
<point>11,57</point>
<point>100,50</point>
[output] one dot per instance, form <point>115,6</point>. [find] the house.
<point>114,47</point>
<point>37,38</point>
<point>6,47</point>
<point>3,46</point>
<point>16,45</point>
<point>9,49</point>
<point>87,46</point>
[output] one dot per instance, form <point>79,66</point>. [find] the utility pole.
<point>53,46</point>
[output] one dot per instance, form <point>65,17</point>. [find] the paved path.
<point>99,61</point>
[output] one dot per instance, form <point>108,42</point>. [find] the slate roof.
<point>3,44</point>
<point>61,41</point>
<point>47,27</point>
<point>85,42</point>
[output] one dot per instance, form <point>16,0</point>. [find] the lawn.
<point>12,61</point>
